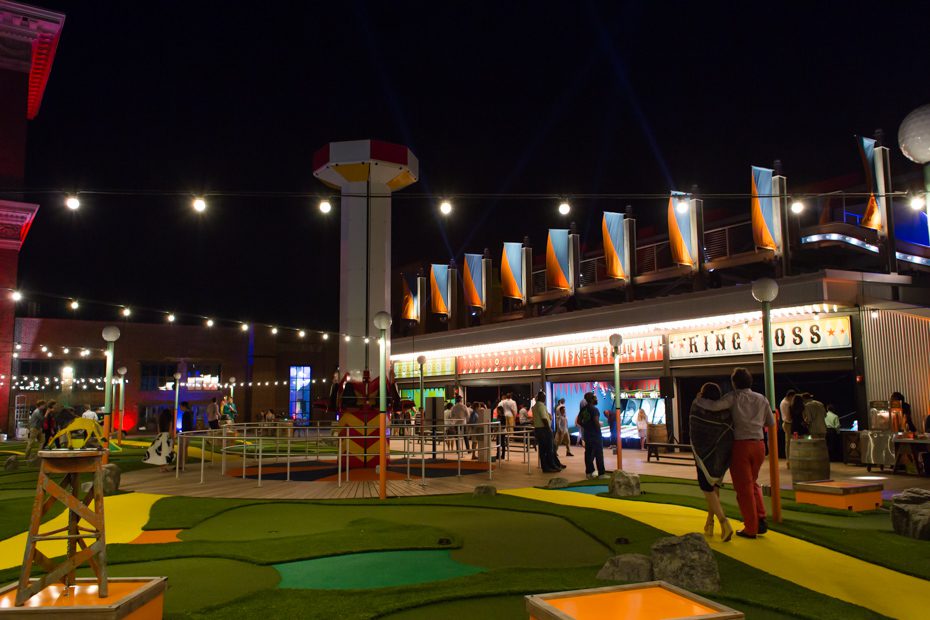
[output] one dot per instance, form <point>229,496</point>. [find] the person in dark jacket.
<point>589,419</point>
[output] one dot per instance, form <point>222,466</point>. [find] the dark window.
<point>155,376</point>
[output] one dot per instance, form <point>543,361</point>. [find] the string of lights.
<point>55,383</point>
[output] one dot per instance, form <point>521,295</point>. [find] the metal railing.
<point>263,442</point>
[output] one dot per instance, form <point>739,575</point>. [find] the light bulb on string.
<point>170,318</point>
<point>301,334</point>
<point>445,207</point>
<point>565,208</point>
<point>72,202</point>
<point>16,296</point>
<point>682,206</point>
<point>200,205</point>
<point>325,206</point>
<point>74,305</point>
<point>348,338</point>
<point>127,312</point>
<point>244,327</point>
<point>325,336</point>
<point>209,322</point>
<point>274,331</point>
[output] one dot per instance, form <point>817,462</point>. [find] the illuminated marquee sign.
<point>436,367</point>
<point>806,335</point>
<point>203,383</point>
<point>504,361</point>
<point>597,354</point>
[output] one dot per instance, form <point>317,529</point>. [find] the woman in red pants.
<point>751,415</point>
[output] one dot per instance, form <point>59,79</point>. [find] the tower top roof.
<point>28,40</point>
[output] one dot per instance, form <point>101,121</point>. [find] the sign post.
<point>615,341</point>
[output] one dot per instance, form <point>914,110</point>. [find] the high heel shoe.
<point>726,530</point>
<point>709,526</point>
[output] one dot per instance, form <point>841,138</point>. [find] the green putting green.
<point>372,570</point>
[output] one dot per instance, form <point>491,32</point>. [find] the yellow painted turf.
<point>814,567</point>
<point>125,516</point>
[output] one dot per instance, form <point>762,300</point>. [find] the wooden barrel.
<point>809,460</point>
<point>657,433</point>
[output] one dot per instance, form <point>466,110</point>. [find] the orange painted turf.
<point>640,604</point>
<point>156,536</point>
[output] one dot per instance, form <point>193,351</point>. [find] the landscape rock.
<point>111,480</point>
<point>11,464</point>
<point>910,513</point>
<point>624,484</point>
<point>632,567</point>
<point>485,489</point>
<point>557,483</point>
<point>687,562</point>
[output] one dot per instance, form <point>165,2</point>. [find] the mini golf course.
<point>459,556</point>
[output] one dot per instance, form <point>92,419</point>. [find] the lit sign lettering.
<point>806,335</point>
<point>504,361</point>
<point>437,367</point>
<point>597,354</point>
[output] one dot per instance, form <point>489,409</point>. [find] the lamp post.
<point>232,388</point>
<point>383,322</point>
<point>121,371</point>
<point>615,341</point>
<point>765,291</point>
<point>177,394</point>
<point>110,335</point>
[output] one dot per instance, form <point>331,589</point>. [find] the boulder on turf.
<point>632,567</point>
<point>485,489</point>
<point>910,513</point>
<point>11,464</point>
<point>687,562</point>
<point>557,483</point>
<point>624,484</point>
<point>111,480</point>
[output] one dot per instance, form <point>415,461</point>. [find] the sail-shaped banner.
<point>512,271</point>
<point>874,216</point>
<point>765,231</point>
<point>474,281</point>
<point>682,230</point>
<point>557,272</point>
<point>616,252</point>
<point>439,289</point>
<point>410,307</point>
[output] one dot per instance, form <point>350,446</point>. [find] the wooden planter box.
<point>133,598</point>
<point>651,600</point>
<point>839,494</point>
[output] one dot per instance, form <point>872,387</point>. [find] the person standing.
<point>562,437</point>
<point>589,419</point>
<point>784,410</point>
<point>213,414</point>
<point>472,430</point>
<point>542,429</point>
<point>36,438</point>
<point>459,415</point>
<point>642,428</point>
<point>48,424</point>
<point>612,425</point>
<point>712,444</point>
<point>815,417</point>
<point>751,416</point>
<point>909,425</point>
<point>89,413</point>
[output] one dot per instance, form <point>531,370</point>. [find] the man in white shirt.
<point>89,413</point>
<point>510,409</point>
<point>751,416</point>
<point>784,408</point>
<point>459,416</point>
<point>832,420</point>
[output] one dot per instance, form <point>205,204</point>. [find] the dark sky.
<point>493,97</point>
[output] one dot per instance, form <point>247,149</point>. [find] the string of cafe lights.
<point>55,383</point>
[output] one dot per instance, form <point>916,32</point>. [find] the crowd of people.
<point>46,419</point>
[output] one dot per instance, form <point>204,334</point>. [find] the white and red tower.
<point>367,172</point>
<point>28,40</point>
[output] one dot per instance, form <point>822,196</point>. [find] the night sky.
<point>519,97</point>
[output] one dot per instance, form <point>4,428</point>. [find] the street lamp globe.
<point>914,135</point>
<point>765,289</point>
<point>232,379</point>
<point>122,370</point>
<point>110,333</point>
<point>382,320</point>
<point>421,360</point>
<point>615,340</point>
<point>177,376</point>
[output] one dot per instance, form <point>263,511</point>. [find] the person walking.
<point>36,438</point>
<point>542,429</point>
<point>815,416</point>
<point>562,436</point>
<point>751,416</point>
<point>784,410</point>
<point>642,428</point>
<point>213,414</point>
<point>712,444</point>
<point>589,419</point>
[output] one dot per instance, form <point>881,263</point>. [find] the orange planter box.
<point>130,598</point>
<point>651,600</point>
<point>842,495</point>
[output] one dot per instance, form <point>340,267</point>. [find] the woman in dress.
<point>642,428</point>
<point>712,444</point>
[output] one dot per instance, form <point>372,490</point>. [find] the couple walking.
<point>727,432</point>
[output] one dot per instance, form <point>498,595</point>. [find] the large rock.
<point>632,567</point>
<point>687,562</point>
<point>624,484</point>
<point>485,490</point>
<point>557,483</point>
<point>11,464</point>
<point>910,513</point>
<point>111,480</point>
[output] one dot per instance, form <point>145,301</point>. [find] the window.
<point>40,368</point>
<point>155,376</point>
<point>299,406</point>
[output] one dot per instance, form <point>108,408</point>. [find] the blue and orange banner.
<point>512,271</point>
<point>765,231</point>
<point>681,227</point>
<point>873,217</point>
<point>474,281</point>
<point>616,256</point>
<point>410,307</point>
<point>557,270</point>
<point>439,289</point>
